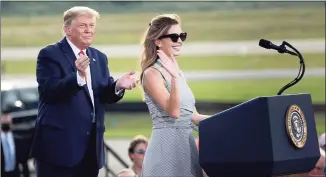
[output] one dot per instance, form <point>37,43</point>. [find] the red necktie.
<point>82,53</point>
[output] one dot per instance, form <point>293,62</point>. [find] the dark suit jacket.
<point>65,109</point>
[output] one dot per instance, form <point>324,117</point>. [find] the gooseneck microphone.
<point>269,45</point>
<point>281,49</point>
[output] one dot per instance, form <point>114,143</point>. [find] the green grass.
<point>312,60</point>
<point>206,26</point>
<point>242,90</point>
<point>124,125</point>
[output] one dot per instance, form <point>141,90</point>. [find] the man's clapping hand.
<point>82,63</point>
<point>127,81</point>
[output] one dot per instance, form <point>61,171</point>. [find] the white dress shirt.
<point>7,137</point>
<point>81,81</point>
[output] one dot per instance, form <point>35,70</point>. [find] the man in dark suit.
<point>9,165</point>
<point>23,139</point>
<point>74,87</point>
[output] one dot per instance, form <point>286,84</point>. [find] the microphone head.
<point>265,44</point>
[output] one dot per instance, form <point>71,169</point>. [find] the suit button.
<point>88,133</point>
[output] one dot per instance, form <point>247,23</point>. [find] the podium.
<point>262,137</point>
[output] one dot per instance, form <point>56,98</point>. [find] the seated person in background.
<point>322,145</point>
<point>316,172</point>
<point>136,152</point>
<point>319,168</point>
<point>126,173</point>
<point>9,165</point>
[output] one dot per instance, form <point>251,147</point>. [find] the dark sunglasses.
<point>140,151</point>
<point>175,37</point>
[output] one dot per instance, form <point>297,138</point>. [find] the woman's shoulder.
<point>152,70</point>
<point>155,68</point>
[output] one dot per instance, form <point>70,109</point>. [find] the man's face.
<point>81,31</point>
<point>5,119</point>
<point>5,122</point>
<point>138,155</point>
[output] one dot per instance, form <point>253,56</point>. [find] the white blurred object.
<point>322,152</point>
<point>321,140</point>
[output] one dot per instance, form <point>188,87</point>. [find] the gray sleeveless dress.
<point>172,150</point>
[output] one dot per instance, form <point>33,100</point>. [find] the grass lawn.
<point>124,125</point>
<point>206,26</point>
<point>242,90</point>
<point>312,60</point>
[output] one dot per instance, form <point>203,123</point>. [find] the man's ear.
<point>67,30</point>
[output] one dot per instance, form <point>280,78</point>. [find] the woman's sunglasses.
<point>175,37</point>
<point>140,151</point>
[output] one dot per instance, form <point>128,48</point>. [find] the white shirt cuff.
<point>117,92</point>
<point>80,80</point>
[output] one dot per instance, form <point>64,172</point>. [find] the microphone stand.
<point>301,70</point>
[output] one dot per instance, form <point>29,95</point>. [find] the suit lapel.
<point>70,56</point>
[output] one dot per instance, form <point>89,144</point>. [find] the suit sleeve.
<point>52,86</point>
<point>109,93</point>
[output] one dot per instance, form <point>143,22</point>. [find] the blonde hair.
<point>140,137</point>
<point>158,26</point>
<point>70,14</point>
<point>126,173</point>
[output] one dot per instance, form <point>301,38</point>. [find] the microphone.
<point>281,49</point>
<point>269,45</point>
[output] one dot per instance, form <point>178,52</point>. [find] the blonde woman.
<point>172,149</point>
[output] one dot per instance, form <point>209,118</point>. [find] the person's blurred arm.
<point>321,162</point>
<point>320,165</point>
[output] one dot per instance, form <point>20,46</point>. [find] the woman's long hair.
<point>159,26</point>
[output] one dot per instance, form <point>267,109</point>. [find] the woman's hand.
<point>196,117</point>
<point>168,63</point>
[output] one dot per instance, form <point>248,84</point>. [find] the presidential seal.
<point>296,126</point>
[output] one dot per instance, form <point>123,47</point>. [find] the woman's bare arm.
<point>154,87</point>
